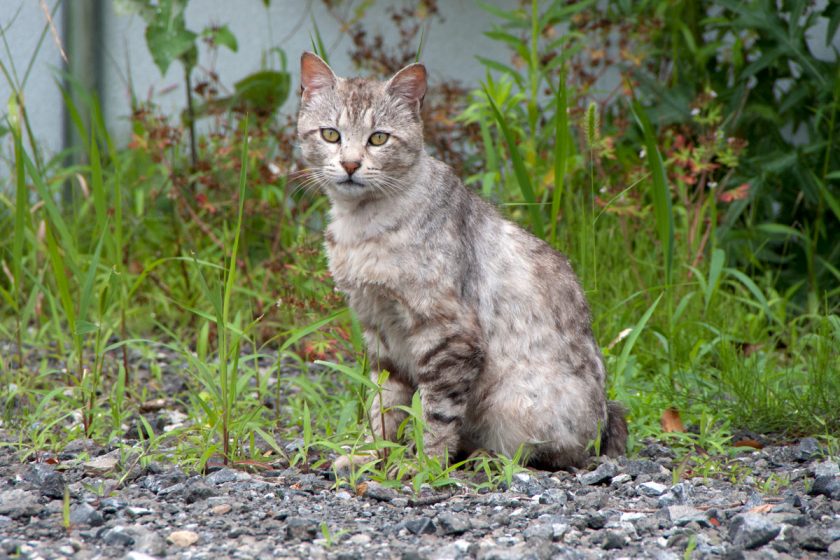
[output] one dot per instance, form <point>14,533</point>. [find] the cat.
<point>485,320</point>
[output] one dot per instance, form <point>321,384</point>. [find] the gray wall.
<point>449,52</point>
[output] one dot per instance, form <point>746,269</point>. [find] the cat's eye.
<point>378,138</point>
<point>331,135</point>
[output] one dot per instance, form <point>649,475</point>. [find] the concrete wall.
<point>450,50</point>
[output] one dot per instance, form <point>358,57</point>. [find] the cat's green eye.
<point>378,138</point>
<point>330,135</point>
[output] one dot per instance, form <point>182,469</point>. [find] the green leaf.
<point>167,36</point>
<point>221,36</point>
<point>263,92</point>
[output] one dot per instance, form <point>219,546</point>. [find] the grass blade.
<point>521,173</point>
<point>661,193</point>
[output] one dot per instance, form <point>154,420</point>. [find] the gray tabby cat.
<point>487,321</point>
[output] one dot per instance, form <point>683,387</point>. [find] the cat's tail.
<point>614,436</point>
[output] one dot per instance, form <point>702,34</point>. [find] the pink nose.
<point>350,166</point>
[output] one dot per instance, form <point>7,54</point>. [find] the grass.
<point>220,272</point>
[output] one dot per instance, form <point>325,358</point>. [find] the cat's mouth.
<point>350,181</point>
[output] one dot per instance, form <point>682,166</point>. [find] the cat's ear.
<point>314,74</point>
<point>409,83</point>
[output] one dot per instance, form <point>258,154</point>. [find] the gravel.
<point>626,508</point>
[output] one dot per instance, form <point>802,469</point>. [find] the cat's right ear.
<point>315,75</point>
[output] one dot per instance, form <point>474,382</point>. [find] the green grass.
<point>222,270</point>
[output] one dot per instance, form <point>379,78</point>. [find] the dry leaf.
<point>671,421</point>
<point>748,443</point>
<point>361,488</point>
<point>762,508</point>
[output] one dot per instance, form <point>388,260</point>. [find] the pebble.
<point>85,514</point>
<point>750,530</point>
<point>651,489</point>
<point>603,473</point>
<point>183,538</point>
<point>300,528</point>
<point>103,464</point>
<point>46,480</point>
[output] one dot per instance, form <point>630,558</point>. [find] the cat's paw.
<point>348,462</point>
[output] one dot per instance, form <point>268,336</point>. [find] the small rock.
<point>376,491</point>
<point>603,473</point>
<point>596,520</point>
<point>825,468</point>
<point>451,524</point>
<point>360,539</point>
<point>85,514</point>
<point>183,538</point>
<point>748,530</point>
<point>226,475</point>
<point>102,464</point>
<point>343,495</point>
<point>614,540</point>
<point>834,549</point>
<point>683,515</point>
<point>136,555</point>
<point>220,509</point>
<point>828,486</point>
<point>651,489</point>
<point>300,528</point>
<point>812,539</point>
<point>807,449</point>
<point>196,490</point>
<point>135,511</point>
<point>46,480</point>
<point>18,503</point>
<point>522,477</point>
<point>539,532</point>
<point>116,536</point>
<point>420,526</point>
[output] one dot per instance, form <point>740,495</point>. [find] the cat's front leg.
<point>446,374</point>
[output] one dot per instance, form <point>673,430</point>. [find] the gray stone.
<point>85,514</point>
<point>136,555</point>
<point>651,489</point>
<point>596,520</point>
<point>46,480</point>
<point>834,549</point>
<point>452,524</point>
<point>554,496</point>
<point>828,486</point>
<point>376,491</point>
<point>116,536</point>
<point>683,515</point>
<point>539,532</point>
<point>825,468</point>
<point>301,528</point>
<point>420,526</point>
<point>603,473</point>
<point>812,539</point>
<point>196,490</point>
<point>18,503</point>
<point>748,530</point>
<point>226,475</point>
<point>614,540</point>
<point>808,449</point>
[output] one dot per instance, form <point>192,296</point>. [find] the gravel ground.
<point>783,503</point>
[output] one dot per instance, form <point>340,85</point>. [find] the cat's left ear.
<point>409,83</point>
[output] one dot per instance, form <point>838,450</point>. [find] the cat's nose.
<point>350,166</point>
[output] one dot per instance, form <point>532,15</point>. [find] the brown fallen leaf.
<point>748,443</point>
<point>361,488</point>
<point>671,421</point>
<point>761,508</point>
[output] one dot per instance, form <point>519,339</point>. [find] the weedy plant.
<point>713,287</point>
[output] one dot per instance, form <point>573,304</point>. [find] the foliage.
<point>712,281</point>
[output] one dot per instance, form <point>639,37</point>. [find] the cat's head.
<point>360,137</point>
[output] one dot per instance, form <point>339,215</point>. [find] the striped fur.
<point>486,321</point>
